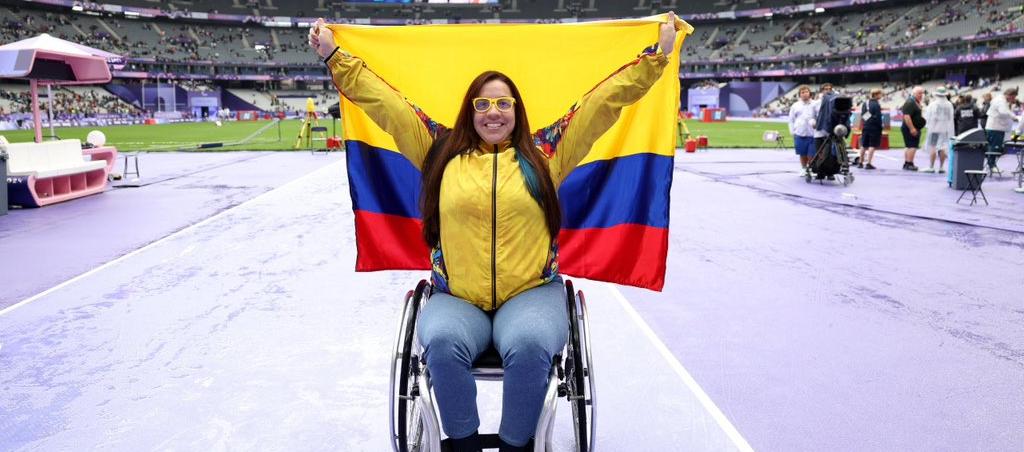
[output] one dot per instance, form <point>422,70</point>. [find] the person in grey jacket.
<point>939,116</point>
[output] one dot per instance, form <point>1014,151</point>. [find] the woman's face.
<point>494,125</point>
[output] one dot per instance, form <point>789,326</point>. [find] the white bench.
<point>51,172</point>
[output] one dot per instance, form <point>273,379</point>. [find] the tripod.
<point>682,130</point>
<point>310,125</point>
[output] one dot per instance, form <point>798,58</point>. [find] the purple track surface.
<point>215,308</point>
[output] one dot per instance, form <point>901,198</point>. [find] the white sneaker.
<point>927,170</point>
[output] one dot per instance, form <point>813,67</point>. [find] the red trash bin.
<point>691,145</point>
<point>702,141</point>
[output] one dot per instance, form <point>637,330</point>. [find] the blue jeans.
<point>528,330</point>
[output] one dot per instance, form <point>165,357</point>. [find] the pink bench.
<point>54,171</point>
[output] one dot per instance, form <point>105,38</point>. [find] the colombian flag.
<point>615,203</point>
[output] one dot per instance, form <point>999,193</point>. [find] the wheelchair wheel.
<point>406,418</point>
<point>579,374</point>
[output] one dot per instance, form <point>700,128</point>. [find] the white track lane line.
<point>688,380</point>
<point>159,241</point>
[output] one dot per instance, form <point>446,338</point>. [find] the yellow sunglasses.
<point>483,104</point>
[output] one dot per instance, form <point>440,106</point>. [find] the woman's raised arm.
<point>569,139</point>
<point>412,129</point>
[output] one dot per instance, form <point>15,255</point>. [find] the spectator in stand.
<point>801,126</point>
<point>986,101</point>
<point>1000,120</point>
<point>967,115</point>
<point>871,132</point>
<point>913,122</point>
<point>939,116</point>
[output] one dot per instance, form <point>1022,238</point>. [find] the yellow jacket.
<point>494,237</point>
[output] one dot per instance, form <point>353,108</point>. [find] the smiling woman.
<point>491,218</point>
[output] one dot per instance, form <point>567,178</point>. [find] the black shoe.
<point>856,161</point>
<point>869,166</point>
<point>470,443</point>
<point>860,165</point>
<point>505,447</point>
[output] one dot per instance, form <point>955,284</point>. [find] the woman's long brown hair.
<point>463,138</point>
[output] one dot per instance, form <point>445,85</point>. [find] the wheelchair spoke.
<point>574,372</point>
<point>406,417</point>
<point>415,438</point>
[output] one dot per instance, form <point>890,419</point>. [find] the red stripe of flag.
<point>625,254</point>
<point>389,242</point>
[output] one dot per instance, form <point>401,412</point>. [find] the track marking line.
<point>691,384</point>
<point>172,235</point>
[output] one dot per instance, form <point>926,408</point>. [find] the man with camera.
<point>832,125</point>
<point>819,133</point>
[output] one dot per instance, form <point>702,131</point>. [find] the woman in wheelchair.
<point>491,216</point>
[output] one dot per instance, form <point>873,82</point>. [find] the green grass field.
<point>187,136</point>
<point>747,134</point>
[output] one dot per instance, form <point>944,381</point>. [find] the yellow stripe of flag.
<point>553,65</point>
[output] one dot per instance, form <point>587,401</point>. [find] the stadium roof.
<point>45,57</point>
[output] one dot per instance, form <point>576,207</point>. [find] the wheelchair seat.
<point>489,359</point>
<point>414,421</point>
<point>488,366</point>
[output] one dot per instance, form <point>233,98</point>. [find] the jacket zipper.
<point>494,231</point>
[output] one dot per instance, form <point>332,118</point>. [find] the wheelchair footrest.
<point>487,441</point>
<point>490,441</point>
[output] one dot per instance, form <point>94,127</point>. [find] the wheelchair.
<point>415,423</point>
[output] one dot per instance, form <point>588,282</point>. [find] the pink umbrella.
<point>54,61</point>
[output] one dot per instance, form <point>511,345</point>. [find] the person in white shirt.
<point>801,126</point>
<point>1000,120</point>
<point>939,117</point>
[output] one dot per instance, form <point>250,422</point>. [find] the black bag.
<point>826,161</point>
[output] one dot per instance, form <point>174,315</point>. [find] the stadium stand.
<point>267,63</point>
<point>723,45</point>
<point>68,101</point>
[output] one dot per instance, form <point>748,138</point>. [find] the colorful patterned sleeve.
<point>411,128</point>
<point>568,140</point>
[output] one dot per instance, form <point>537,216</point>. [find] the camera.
<point>839,120</point>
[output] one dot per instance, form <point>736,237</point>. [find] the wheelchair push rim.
<point>579,371</point>
<point>406,418</point>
